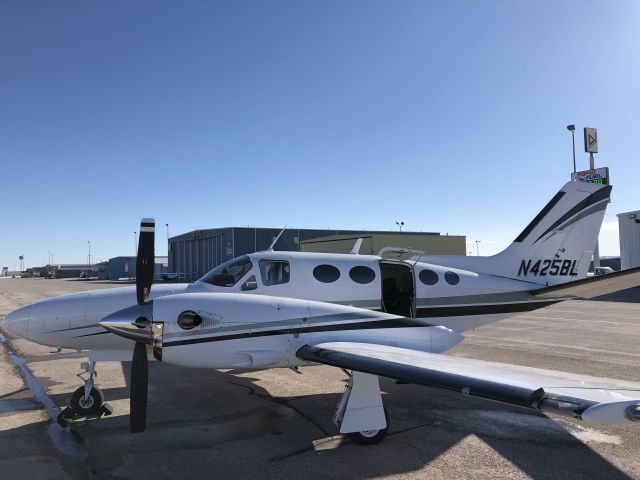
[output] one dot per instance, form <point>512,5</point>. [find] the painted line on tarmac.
<point>60,436</point>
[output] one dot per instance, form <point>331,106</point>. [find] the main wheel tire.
<point>91,405</point>
<point>369,437</point>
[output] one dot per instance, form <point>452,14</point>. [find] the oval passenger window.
<point>452,278</point>
<point>361,274</point>
<point>428,277</point>
<point>326,273</point>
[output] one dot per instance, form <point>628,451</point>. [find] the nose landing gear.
<point>87,405</point>
<point>87,402</point>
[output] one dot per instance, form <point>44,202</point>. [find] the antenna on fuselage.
<point>356,247</point>
<point>270,249</point>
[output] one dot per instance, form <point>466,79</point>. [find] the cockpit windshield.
<point>227,274</point>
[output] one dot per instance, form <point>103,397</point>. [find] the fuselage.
<point>455,298</point>
<point>454,292</point>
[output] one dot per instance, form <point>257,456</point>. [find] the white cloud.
<point>609,227</point>
<point>608,240</point>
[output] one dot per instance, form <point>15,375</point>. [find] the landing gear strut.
<point>87,402</point>
<point>360,412</point>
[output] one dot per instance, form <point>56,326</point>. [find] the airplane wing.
<point>593,399</point>
<point>593,286</point>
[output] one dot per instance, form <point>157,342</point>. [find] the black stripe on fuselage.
<point>91,334</point>
<point>74,328</point>
<point>470,310</point>
<point>391,323</point>
<point>429,312</point>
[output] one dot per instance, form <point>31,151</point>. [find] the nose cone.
<point>17,322</point>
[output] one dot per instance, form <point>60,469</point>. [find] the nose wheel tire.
<point>369,437</point>
<point>89,406</point>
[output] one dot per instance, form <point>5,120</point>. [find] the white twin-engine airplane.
<point>365,313</point>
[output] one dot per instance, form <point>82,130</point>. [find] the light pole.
<point>167,225</point>
<point>400,225</point>
<point>168,247</point>
<point>135,243</point>
<point>89,273</point>
<point>478,247</point>
<point>572,129</point>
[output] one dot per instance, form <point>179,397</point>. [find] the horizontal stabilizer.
<point>593,286</point>
<point>598,400</point>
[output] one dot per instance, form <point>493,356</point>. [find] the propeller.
<point>145,265</point>
<point>138,392</point>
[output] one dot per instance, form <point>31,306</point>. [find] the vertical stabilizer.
<point>558,244</point>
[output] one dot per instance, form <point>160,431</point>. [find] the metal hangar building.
<point>193,254</point>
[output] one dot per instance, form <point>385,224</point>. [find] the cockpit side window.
<point>227,274</point>
<point>274,272</point>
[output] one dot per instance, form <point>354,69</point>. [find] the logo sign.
<point>591,140</point>
<point>599,176</point>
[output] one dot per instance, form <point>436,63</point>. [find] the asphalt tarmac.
<point>277,423</point>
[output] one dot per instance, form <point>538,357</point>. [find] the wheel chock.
<point>68,417</point>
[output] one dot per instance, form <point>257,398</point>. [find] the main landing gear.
<point>360,412</point>
<point>87,402</point>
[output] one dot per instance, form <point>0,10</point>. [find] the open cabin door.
<point>398,289</point>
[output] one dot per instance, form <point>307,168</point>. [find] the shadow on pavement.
<point>630,295</point>
<point>217,424</point>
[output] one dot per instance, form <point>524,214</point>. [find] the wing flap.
<point>593,286</point>
<point>544,390</point>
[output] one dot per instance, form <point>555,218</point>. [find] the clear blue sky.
<point>447,115</point>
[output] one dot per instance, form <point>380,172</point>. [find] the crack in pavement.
<point>64,442</point>
<point>286,403</point>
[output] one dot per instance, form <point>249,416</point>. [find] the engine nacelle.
<point>224,330</point>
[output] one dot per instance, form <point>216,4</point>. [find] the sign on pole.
<point>599,176</point>
<point>591,140</point>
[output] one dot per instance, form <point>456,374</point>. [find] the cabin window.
<point>249,284</point>
<point>274,272</point>
<point>452,278</point>
<point>326,273</point>
<point>428,277</point>
<point>227,274</point>
<point>361,274</point>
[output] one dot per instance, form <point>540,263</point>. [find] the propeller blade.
<point>145,262</point>
<point>138,391</point>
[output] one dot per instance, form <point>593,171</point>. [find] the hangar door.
<point>398,291</point>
